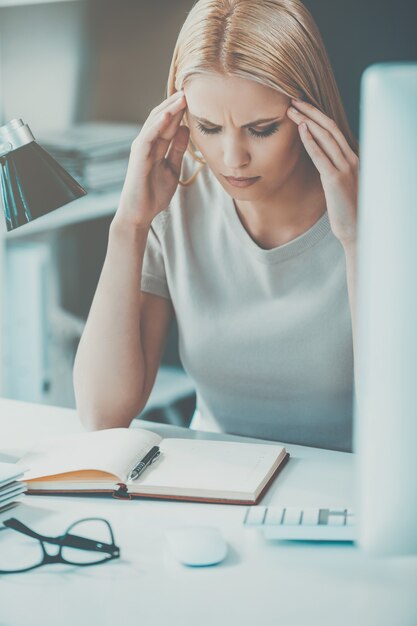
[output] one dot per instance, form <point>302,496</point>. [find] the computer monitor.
<point>385,425</point>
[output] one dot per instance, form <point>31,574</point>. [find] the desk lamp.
<point>32,182</point>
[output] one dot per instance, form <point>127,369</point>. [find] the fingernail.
<point>293,110</point>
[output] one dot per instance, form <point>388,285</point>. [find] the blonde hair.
<point>273,42</point>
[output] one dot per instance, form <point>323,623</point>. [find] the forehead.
<point>209,95</point>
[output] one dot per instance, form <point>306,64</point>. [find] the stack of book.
<point>96,154</point>
<point>11,487</point>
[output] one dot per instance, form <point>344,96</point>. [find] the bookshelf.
<point>37,330</point>
<point>93,206</point>
<point>65,61</point>
<point>25,364</point>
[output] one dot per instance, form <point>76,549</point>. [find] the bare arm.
<point>350,255</point>
<point>122,344</point>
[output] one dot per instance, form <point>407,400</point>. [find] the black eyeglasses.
<point>88,541</point>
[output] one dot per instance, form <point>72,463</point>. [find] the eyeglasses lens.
<point>95,529</point>
<point>18,551</point>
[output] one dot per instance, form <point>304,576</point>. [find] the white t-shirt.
<point>265,334</point>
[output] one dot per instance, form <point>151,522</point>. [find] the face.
<point>242,130</point>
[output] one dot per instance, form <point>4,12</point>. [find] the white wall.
<point>42,54</point>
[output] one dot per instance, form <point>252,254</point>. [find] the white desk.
<point>268,583</point>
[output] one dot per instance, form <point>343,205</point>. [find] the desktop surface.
<point>273,582</point>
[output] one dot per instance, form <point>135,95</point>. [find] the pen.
<point>149,458</point>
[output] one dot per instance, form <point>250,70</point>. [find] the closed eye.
<point>270,130</point>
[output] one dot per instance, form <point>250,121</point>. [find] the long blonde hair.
<point>273,42</point>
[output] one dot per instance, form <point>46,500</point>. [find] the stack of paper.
<point>10,487</point>
<point>96,154</point>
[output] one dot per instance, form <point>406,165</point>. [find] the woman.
<point>253,250</point>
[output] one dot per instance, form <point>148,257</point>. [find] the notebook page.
<point>210,465</point>
<point>114,451</point>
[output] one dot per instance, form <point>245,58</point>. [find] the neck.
<point>295,208</point>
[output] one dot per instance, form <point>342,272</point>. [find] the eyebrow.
<point>254,123</point>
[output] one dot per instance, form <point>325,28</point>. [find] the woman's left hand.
<point>337,164</point>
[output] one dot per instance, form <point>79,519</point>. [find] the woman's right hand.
<point>154,163</point>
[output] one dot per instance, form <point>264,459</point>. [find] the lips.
<point>241,182</point>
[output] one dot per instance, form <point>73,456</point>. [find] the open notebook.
<point>187,469</point>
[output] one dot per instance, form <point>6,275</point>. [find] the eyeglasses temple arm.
<point>15,524</point>
<point>71,541</point>
<point>74,541</point>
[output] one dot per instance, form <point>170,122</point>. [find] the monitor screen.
<point>385,432</point>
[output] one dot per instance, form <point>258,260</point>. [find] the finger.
<point>176,107</point>
<point>152,134</point>
<point>166,135</point>
<point>176,119</point>
<point>320,160</point>
<point>327,123</point>
<point>166,104</point>
<point>323,137</point>
<point>177,148</point>
<point>161,131</point>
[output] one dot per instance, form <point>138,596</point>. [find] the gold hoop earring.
<point>200,160</point>
<point>186,183</point>
<point>196,154</point>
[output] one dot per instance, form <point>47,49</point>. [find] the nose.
<point>235,155</point>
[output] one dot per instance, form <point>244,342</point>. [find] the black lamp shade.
<point>34,184</point>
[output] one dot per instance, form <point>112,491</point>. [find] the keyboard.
<point>311,524</point>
